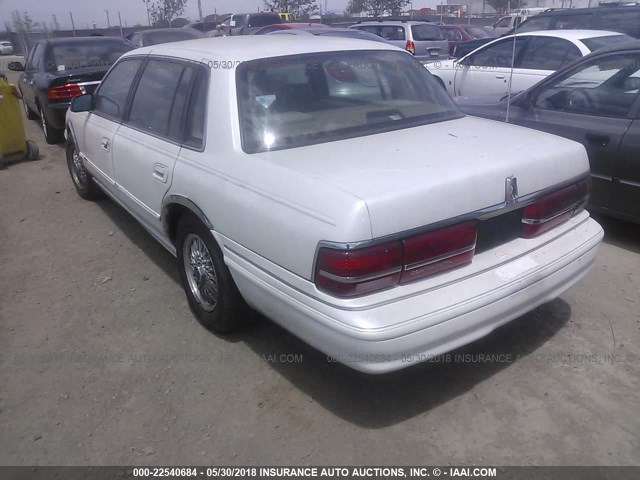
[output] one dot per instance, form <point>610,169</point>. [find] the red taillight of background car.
<point>410,47</point>
<point>64,92</point>
<point>357,271</point>
<point>555,208</point>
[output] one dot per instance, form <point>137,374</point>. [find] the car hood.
<point>418,176</point>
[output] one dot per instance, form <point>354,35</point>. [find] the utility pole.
<point>120,20</point>
<point>108,22</point>
<point>200,9</point>
<point>73,25</point>
<point>146,2</point>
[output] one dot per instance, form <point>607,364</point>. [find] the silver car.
<point>426,41</point>
<point>6,48</point>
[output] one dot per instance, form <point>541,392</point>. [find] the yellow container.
<point>13,144</point>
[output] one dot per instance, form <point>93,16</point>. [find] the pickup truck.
<point>246,23</point>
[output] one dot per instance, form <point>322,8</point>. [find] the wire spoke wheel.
<point>200,272</point>
<point>78,172</point>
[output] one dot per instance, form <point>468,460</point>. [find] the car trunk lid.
<point>419,176</point>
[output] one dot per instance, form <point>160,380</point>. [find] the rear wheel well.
<point>172,215</point>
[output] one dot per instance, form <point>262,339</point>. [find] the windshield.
<point>69,56</point>
<point>427,32</point>
<point>173,35</point>
<point>596,43</point>
<point>288,102</point>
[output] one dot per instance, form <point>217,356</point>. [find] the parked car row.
<point>289,182</point>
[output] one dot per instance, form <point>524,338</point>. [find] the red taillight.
<point>64,92</point>
<point>554,208</point>
<point>341,71</point>
<point>440,250</point>
<point>410,47</point>
<point>347,273</point>
<point>351,272</point>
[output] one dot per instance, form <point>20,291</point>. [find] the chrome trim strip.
<point>539,221</point>
<point>185,202</point>
<point>82,84</point>
<point>362,278</point>
<point>440,258</point>
<point>629,182</point>
<point>602,177</point>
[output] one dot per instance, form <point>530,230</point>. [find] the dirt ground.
<point>101,362</point>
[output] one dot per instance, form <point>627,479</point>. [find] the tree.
<point>503,5</point>
<point>377,8</point>
<point>163,12</point>
<point>297,8</point>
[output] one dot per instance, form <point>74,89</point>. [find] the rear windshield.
<point>479,32</point>
<point>263,20</point>
<point>596,43</point>
<point>426,32</point>
<point>70,56</point>
<point>298,100</point>
<point>173,35</point>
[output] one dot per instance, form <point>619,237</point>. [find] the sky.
<point>86,12</point>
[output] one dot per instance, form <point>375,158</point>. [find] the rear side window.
<point>370,28</point>
<point>597,43</point>
<point>194,135</point>
<point>534,24</point>
<point>549,53</point>
<point>392,32</point>
<point>263,20</point>
<point>498,55</point>
<point>573,22</point>
<point>160,98</point>
<point>427,32</point>
<point>453,34</point>
<point>112,94</point>
<point>620,21</point>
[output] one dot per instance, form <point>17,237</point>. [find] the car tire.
<point>211,292</point>
<point>28,112</point>
<point>33,152</point>
<point>51,135</point>
<point>82,180</point>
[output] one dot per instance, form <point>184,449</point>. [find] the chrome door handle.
<point>500,77</point>
<point>160,173</point>
<point>105,144</point>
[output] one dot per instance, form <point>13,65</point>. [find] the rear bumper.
<point>419,327</point>
<point>56,114</point>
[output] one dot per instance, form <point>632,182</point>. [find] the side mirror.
<point>82,103</point>
<point>16,66</point>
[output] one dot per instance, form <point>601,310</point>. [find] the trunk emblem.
<point>510,190</point>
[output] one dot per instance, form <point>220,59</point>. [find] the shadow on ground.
<point>620,233</point>
<point>366,400</point>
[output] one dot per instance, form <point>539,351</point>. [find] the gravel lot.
<point>103,363</point>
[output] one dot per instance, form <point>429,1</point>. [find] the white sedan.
<point>293,177</point>
<point>488,69</point>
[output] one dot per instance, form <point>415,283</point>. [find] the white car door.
<point>103,121</point>
<point>147,144</point>
<point>486,71</point>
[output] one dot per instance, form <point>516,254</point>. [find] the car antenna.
<point>513,59</point>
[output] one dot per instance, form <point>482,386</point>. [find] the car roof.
<point>83,40</point>
<point>394,22</point>
<point>253,47</point>
<point>577,11</point>
<point>573,35</point>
